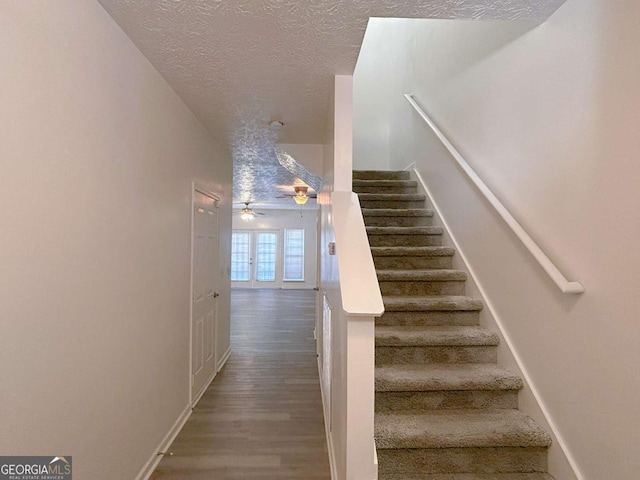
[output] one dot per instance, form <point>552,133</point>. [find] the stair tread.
<point>429,303</point>
<point>397,212</point>
<point>421,230</point>
<point>413,251</point>
<point>378,182</point>
<point>430,397</point>
<point>458,429</point>
<point>434,335</point>
<point>421,275</point>
<point>385,196</point>
<point>414,197</point>
<point>449,377</point>
<point>381,174</point>
<point>466,476</point>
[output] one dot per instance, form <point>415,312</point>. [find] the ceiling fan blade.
<point>310,195</point>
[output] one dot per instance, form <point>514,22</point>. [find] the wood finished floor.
<point>261,418</point>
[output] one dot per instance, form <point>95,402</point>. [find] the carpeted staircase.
<point>444,409</point>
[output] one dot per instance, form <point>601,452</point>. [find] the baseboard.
<point>224,359</point>
<point>204,389</point>
<point>411,168</point>
<point>332,456</point>
<point>153,462</point>
<point>557,437</point>
<point>299,286</point>
<point>166,442</point>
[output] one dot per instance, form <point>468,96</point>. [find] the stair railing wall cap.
<point>560,280</point>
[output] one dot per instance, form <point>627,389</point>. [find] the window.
<point>240,259</point>
<point>258,260</point>
<point>266,248</point>
<point>294,255</point>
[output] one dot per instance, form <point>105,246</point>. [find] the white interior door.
<point>205,276</point>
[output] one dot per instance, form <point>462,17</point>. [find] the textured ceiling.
<point>240,63</point>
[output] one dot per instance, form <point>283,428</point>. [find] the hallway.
<point>261,418</point>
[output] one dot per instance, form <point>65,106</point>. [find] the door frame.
<point>202,189</point>
<point>277,283</point>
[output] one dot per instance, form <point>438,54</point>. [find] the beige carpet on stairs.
<point>445,410</point>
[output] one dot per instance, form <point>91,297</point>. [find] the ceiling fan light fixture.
<point>300,199</point>
<point>301,194</point>
<point>247,214</point>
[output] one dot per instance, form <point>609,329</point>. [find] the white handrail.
<point>555,274</point>
<point>358,280</point>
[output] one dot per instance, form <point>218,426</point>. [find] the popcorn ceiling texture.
<point>240,63</point>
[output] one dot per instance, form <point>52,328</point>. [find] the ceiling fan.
<point>247,213</point>
<point>300,196</point>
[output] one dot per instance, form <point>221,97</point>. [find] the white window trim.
<point>284,256</point>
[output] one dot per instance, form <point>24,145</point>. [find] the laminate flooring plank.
<point>261,418</point>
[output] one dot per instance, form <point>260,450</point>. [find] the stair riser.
<point>391,203</point>
<point>416,288</point>
<point>463,460</point>
<point>382,189</point>
<point>400,240</point>
<point>410,263</point>
<point>466,476</point>
<point>375,221</point>
<point>440,354</point>
<point>397,347</point>
<point>380,175</point>
<point>428,318</point>
<point>446,400</point>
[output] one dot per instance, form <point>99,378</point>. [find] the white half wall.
<point>345,290</point>
<point>547,116</point>
<point>97,159</point>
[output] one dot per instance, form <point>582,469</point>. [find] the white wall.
<point>280,220</point>
<point>342,167</point>
<point>371,103</point>
<point>548,117</point>
<point>97,159</point>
